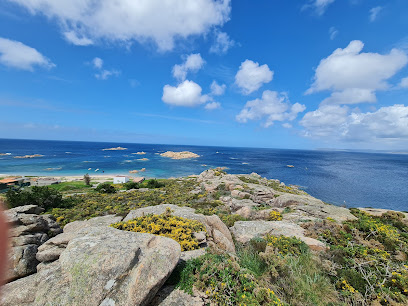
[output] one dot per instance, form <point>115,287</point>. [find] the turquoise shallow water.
<point>342,178</point>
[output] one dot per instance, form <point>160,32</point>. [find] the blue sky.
<point>280,74</point>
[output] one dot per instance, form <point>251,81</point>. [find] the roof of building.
<point>138,179</point>
<point>10,180</point>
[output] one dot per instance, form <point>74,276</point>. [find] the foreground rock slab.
<point>244,231</point>
<point>100,266</point>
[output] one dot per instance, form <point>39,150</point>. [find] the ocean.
<point>341,178</point>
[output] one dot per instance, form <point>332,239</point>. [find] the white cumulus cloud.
<point>351,96</point>
<point>212,105</point>
<point>192,62</point>
<point>251,76</point>
<point>354,76</point>
<point>273,106</point>
<point>325,121</point>
<point>84,22</point>
<point>18,55</point>
<point>187,93</point>
<point>222,43</point>
<point>389,123</point>
<point>216,89</point>
<point>374,12</point>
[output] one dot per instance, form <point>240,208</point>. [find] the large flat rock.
<point>244,231</point>
<point>101,266</point>
<point>52,249</point>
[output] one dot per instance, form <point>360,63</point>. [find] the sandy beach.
<point>99,178</point>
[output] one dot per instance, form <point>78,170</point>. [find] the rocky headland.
<point>256,242</point>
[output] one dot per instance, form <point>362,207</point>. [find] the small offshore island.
<point>208,239</point>
<point>179,155</point>
<point>29,156</point>
<point>114,149</point>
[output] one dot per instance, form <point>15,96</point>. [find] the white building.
<point>120,179</point>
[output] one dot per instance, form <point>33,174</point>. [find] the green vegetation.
<point>225,282</point>
<point>105,188</point>
<point>263,273</point>
<point>44,197</point>
<point>248,180</point>
<point>214,208</point>
<point>365,265</point>
<point>367,257</point>
<point>87,180</point>
<point>153,183</point>
<point>366,262</point>
<point>131,185</point>
<point>286,189</point>
<point>69,187</point>
<point>177,228</point>
<point>94,204</point>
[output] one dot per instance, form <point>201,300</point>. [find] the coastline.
<point>334,177</point>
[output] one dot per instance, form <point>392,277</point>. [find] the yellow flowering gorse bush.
<point>176,228</point>
<point>275,216</point>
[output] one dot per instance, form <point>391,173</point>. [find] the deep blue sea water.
<point>341,178</point>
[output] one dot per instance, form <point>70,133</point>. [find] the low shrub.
<point>286,245</point>
<point>248,180</point>
<point>225,282</point>
<point>131,185</point>
<point>87,180</point>
<point>105,188</point>
<point>250,259</point>
<point>177,228</point>
<point>153,183</point>
<point>210,208</point>
<point>368,257</point>
<point>43,196</point>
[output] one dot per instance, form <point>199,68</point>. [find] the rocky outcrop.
<point>169,296</point>
<point>236,204</point>
<point>218,234</point>
<point>29,230</point>
<point>29,156</point>
<point>244,231</point>
<point>179,155</point>
<point>250,191</point>
<point>114,149</point>
<point>211,180</point>
<point>316,210</point>
<point>377,212</point>
<point>100,265</point>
